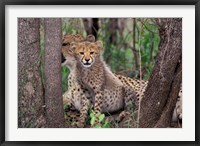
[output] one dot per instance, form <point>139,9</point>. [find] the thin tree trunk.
<point>122,24</point>
<point>113,30</point>
<point>87,25</point>
<point>158,101</point>
<point>30,88</point>
<point>95,26</point>
<point>91,26</point>
<point>135,60</point>
<point>53,89</point>
<point>108,50</point>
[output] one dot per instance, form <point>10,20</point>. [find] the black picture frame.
<point>4,3</point>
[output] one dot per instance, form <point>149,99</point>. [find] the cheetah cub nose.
<point>87,60</point>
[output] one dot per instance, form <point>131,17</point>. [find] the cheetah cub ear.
<point>99,45</point>
<point>90,38</point>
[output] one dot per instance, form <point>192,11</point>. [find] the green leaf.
<point>97,126</point>
<point>101,117</point>
<point>92,120</point>
<point>91,114</point>
<point>106,125</point>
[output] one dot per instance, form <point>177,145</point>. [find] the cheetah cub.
<point>77,97</point>
<point>109,94</point>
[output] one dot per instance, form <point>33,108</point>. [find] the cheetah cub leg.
<point>67,102</point>
<point>69,107</point>
<point>130,103</point>
<point>97,108</point>
<point>83,113</point>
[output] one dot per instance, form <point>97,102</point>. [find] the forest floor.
<point>128,122</point>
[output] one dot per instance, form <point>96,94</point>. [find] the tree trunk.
<point>166,116</point>
<point>135,59</point>
<point>164,82</point>
<point>53,88</point>
<point>87,25</point>
<point>91,26</point>
<point>30,87</point>
<point>95,26</point>
<point>113,27</point>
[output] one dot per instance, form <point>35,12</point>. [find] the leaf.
<point>91,114</point>
<point>92,120</point>
<point>106,125</point>
<point>97,126</point>
<point>101,117</point>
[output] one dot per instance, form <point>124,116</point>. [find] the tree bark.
<point>164,82</point>
<point>53,89</point>
<point>165,118</point>
<point>30,88</point>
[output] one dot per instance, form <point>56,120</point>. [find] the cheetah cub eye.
<point>82,53</point>
<point>91,53</point>
<point>65,44</point>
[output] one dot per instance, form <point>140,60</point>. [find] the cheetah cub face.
<point>87,52</point>
<point>67,55</point>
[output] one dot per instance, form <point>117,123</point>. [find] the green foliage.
<point>65,73</point>
<point>101,117</point>
<point>72,26</point>
<point>120,56</point>
<point>101,120</point>
<point>149,41</point>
